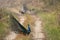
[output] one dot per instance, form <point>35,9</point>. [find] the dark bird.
<point>21,27</point>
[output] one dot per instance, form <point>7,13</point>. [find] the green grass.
<point>51,27</point>
<point>4,23</point>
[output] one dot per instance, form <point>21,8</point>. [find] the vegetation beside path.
<point>4,23</point>
<point>51,24</point>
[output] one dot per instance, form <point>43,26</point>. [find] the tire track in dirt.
<point>12,35</point>
<point>37,32</point>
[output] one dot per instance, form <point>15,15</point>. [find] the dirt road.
<point>37,33</point>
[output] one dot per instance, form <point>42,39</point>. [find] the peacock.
<point>21,27</point>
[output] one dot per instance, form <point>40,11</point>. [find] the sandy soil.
<point>37,33</point>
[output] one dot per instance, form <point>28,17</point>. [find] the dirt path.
<point>37,33</point>
<point>12,35</point>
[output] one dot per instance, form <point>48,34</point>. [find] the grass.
<point>51,27</point>
<point>4,23</point>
